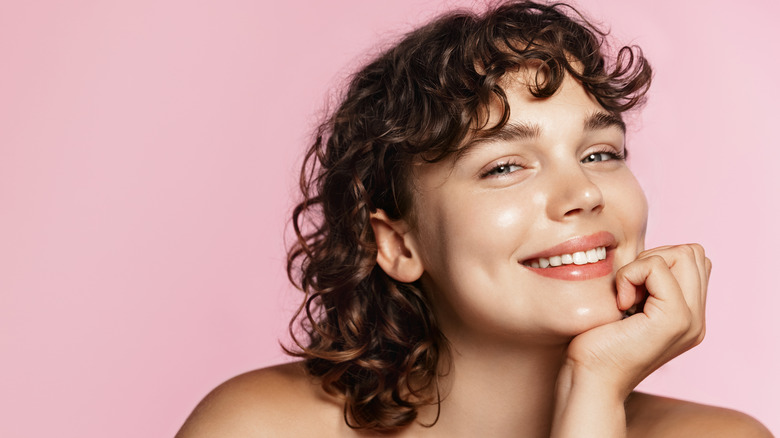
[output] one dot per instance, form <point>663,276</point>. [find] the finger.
<point>698,312</point>
<point>682,262</point>
<point>690,259</point>
<point>652,250</point>
<point>639,301</point>
<point>704,276</point>
<point>708,267</point>
<point>654,273</point>
<point>688,262</point>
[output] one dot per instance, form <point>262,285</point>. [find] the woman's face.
<point>552,184</point>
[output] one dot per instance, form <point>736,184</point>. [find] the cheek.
<point>507,218</point>
<point>470,232</point>
<point>632,207</point>
<point>492,222</point>
<point>640,207</point>
<point>643,221</point>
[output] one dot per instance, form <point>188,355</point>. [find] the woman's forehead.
<point>527,116</point>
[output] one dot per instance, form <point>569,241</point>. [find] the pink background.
<point>148,154</point>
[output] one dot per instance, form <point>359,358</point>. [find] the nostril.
<point>575,211</point>
<point>574,197</point>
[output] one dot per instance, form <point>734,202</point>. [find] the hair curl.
<point>371,339</point>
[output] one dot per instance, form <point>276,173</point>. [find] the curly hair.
<point>372,340</point>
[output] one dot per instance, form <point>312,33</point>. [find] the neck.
<point>497,390</point>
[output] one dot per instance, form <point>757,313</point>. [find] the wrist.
<point>607,384</point>
<point>588,405</point>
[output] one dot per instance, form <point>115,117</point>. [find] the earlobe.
<point>396,248</point>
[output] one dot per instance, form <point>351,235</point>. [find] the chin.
<point>587,318</point>
<point>581,306</point>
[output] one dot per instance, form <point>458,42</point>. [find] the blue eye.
<point>601,156</point>
<point>502,169</point>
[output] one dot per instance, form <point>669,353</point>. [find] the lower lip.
<point>574,272</point>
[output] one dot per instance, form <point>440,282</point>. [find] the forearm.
<point>586,406</point>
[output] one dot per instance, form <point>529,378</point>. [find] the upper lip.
<point>577,244</point>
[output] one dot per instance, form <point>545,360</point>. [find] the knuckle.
<point>702,334</point>
<point>683,325</point>
<point>688,322</point>
<point>656,260</point>
<point>686,251</point>
<point>687,325</point>
<point>697,336</point>
<point>697,248</point>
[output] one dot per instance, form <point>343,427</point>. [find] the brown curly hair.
<point>370,339</point>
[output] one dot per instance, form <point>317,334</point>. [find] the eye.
<point>502,169</point>
<point>602,156</point>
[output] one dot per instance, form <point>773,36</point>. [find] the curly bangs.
<point>371,340</point>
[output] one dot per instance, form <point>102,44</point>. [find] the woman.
<point>471,246</point>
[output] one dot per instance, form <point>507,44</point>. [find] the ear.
<point>396,248</point>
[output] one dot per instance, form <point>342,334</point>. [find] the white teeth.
<point>578,258</point>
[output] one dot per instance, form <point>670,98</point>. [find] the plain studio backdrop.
<point>149,153</point>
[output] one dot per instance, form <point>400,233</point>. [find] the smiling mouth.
<point>578,258</point>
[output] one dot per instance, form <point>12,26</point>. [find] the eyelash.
<point>611,153</point>
<point>496,170</point>
<point>504,165</point>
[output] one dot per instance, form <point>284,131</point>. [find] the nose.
<point>573,193</point>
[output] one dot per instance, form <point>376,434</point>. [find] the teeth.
<point>578,258</point>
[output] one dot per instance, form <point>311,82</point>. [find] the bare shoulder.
<point>654,416</point>
<point>277,401</point>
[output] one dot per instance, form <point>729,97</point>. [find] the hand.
<point>604,364</point>
<point>623,353</point>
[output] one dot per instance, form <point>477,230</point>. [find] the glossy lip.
<point>574,272</point>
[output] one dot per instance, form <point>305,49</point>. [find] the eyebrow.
<point>601,120</point>
<point>525,131</point>
<point>511,131</point>
<point>516,131</point>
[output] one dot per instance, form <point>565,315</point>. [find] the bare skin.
<point>282,401</point>
<point>534,354</point>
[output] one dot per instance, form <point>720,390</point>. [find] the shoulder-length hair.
<point>370,339</point>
